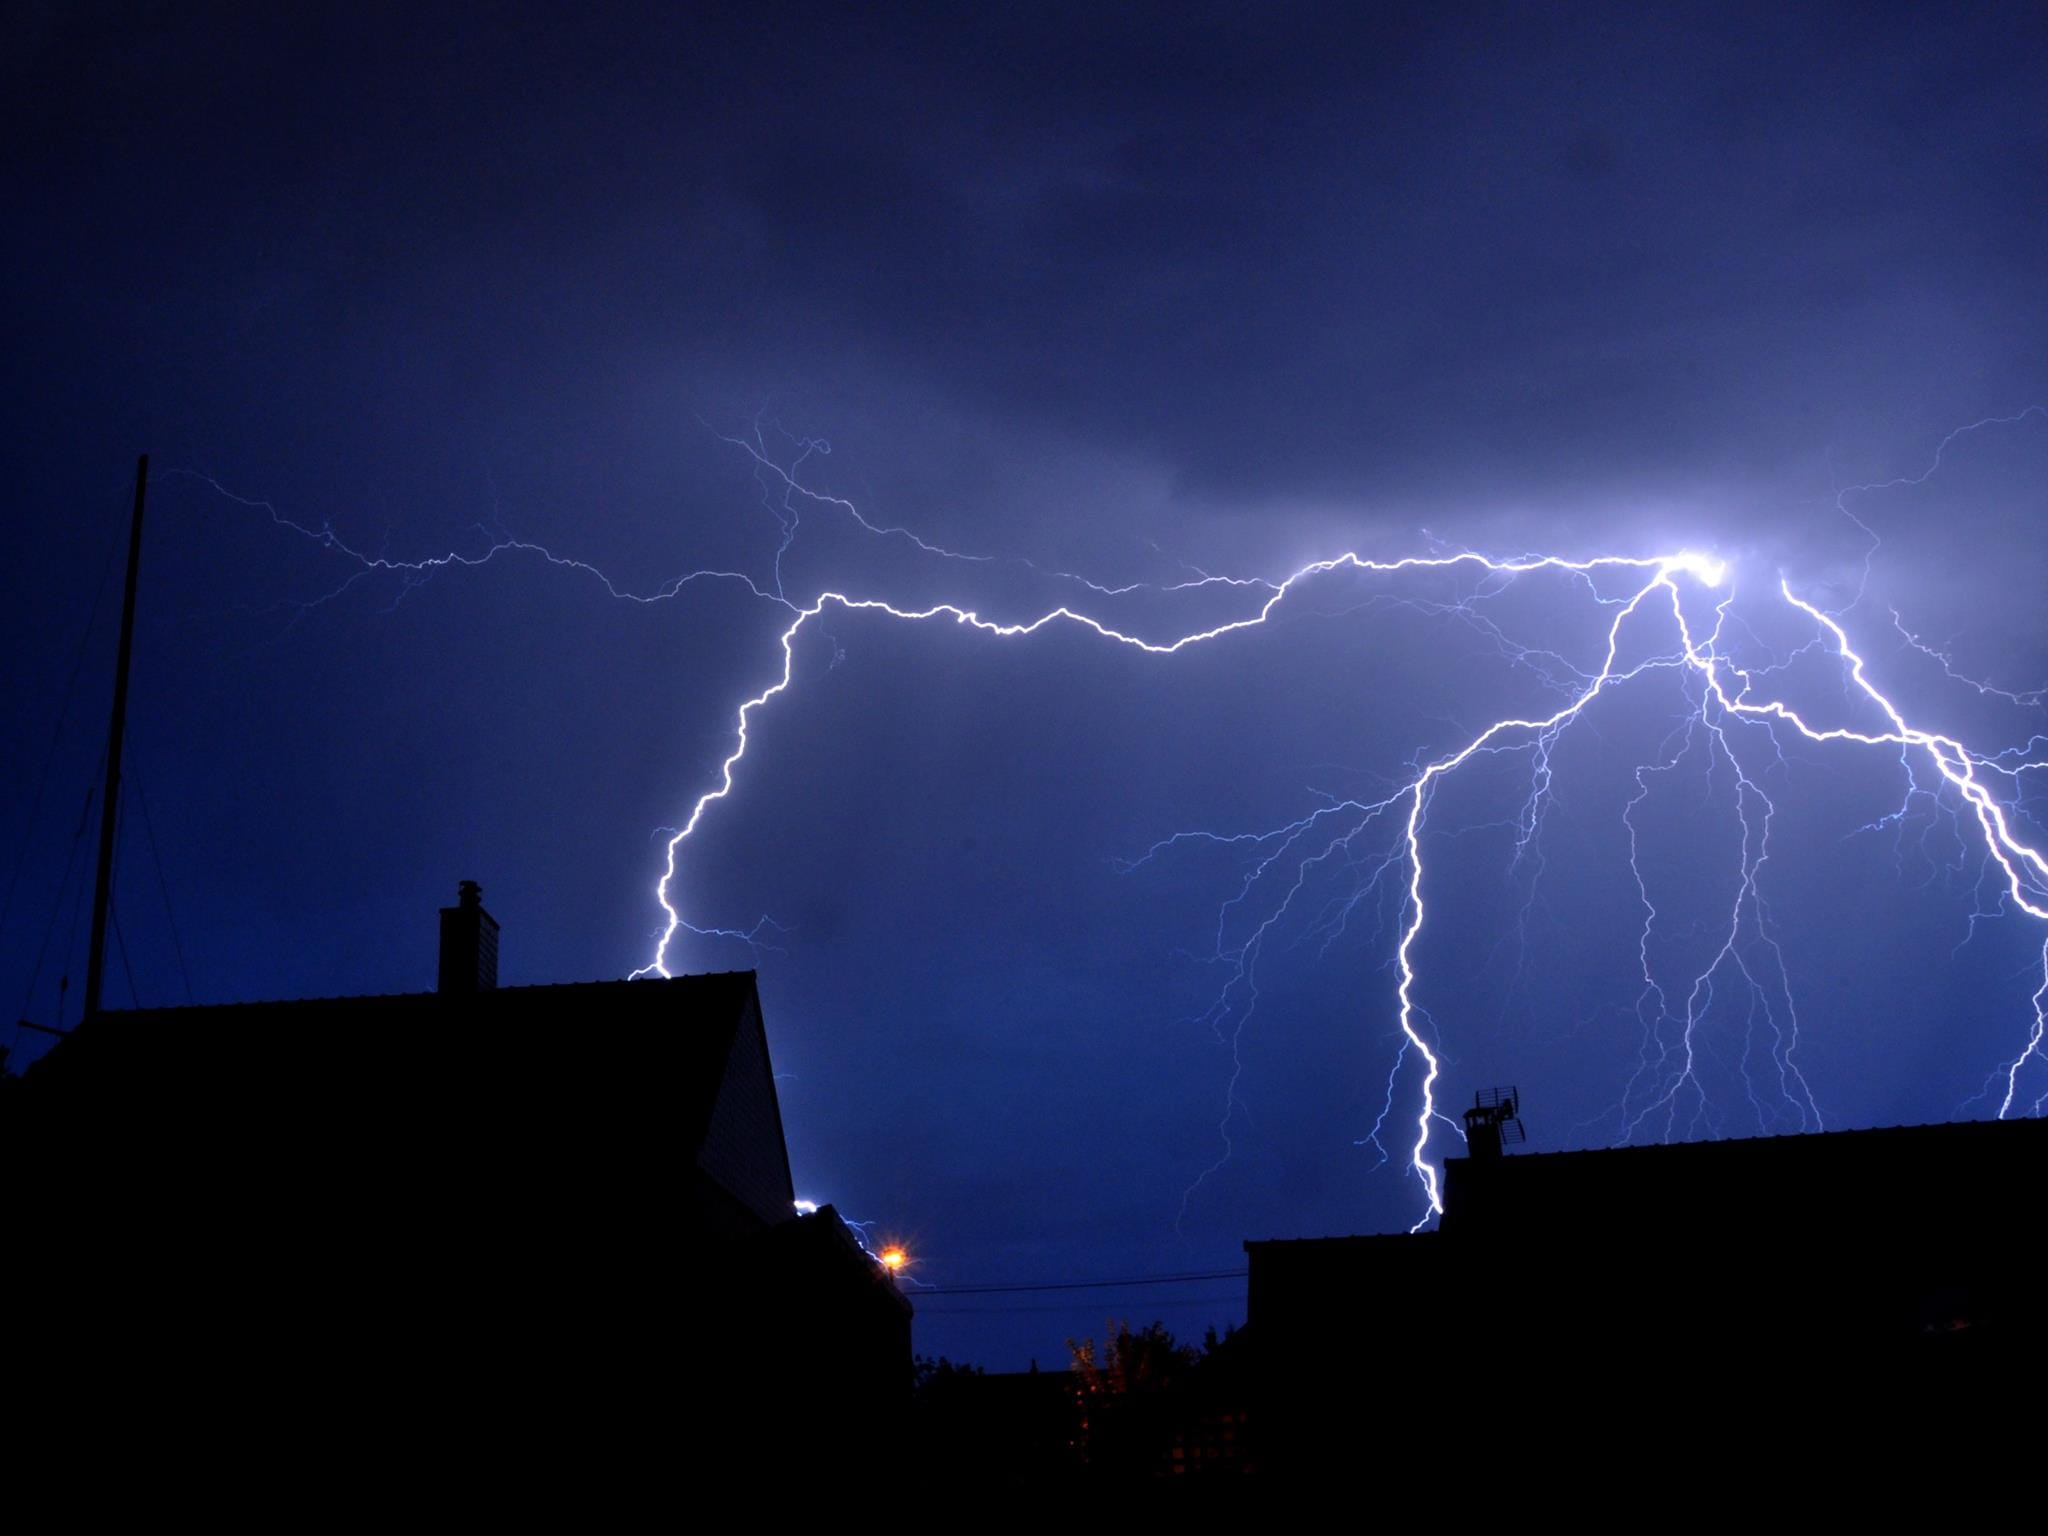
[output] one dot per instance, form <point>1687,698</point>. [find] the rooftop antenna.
<point>1494,1122</point>
<point>110,793</point>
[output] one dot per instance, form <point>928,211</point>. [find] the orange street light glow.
<point>893,1258</point>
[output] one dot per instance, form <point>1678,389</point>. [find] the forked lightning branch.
<point>1665,612</point>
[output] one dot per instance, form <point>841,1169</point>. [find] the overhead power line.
<point>1079,1285</point>
<point>1067,1309</point>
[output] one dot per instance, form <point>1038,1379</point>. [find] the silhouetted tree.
<point>1154,1407</point>
<point>1148,1360</point>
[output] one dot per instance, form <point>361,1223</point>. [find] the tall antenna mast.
<point>110,793</point>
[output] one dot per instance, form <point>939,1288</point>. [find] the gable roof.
<point>660,1046</point>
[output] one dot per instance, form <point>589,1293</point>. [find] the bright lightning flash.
<point>1730,694</point>
<point>1670,616</point>
<point>1704,569</point>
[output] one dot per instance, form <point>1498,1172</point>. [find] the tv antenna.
<point>1494,1122</point>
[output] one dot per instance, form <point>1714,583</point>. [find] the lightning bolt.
<point>1661,570</point>
<point>1654,604</point>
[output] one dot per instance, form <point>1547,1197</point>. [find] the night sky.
<point>1139,297</point>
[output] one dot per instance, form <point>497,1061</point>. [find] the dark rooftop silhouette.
<point>354,1221</point>
<point>1644,1295</point>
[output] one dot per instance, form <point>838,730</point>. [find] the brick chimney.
<point>469,945</point>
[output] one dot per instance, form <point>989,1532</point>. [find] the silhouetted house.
<point>1882,1283</point>
<point>549,1227</point>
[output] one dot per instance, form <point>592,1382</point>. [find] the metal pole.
<point>110,794</point>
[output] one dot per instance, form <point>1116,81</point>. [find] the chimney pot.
<point>469,945</point>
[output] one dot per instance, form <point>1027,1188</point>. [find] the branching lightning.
<point>1668,616</point>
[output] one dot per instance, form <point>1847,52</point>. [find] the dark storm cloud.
<point>1284,252</point>
<point>1111,289</point>
<point>1344,254</point>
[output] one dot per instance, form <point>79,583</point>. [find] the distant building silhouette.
<point>544,1233</point>
<point>1624,1302</point>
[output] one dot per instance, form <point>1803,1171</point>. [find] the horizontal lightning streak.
<point>1723,694</point>
<point>1662,567</point>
